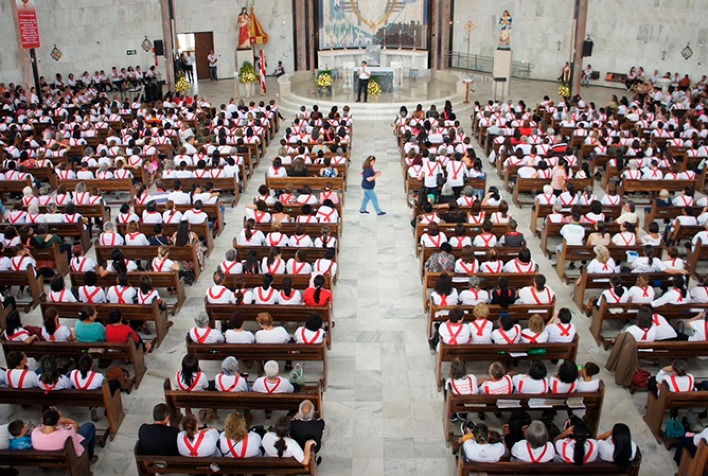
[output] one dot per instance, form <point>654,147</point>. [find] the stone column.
<point>581,18</point>
<point>168,43</point>
<point>301,41</point>
<point>434,33</point>
<point>445,33</point>
<point>23,55</point>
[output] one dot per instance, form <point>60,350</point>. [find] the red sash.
<point>18,265</point>
<point>48,388</point>
<point>219,380</point>
<point>507,379</point>
<point>506,337</point>
<point>159,267</point>
<point>228,268</point>
<point>547,198</point>
<point>554,387</point>
<point>453,335</point>
<point>170,217</point>
<point>674,384</point>
<point>191,387</point>
<point>144,298</point>
<point>535,296</point>
<point>480,329</point>
<point>298,239</point>
<point>314,339</point>
<point>16,218</point>
<point>540,458</point>
<point>518,268</point>
<point>88,382</point>
<point>434,242</point>
<point>272,270</point>
<point>267,298</point>
<point>119,294</point>
<point>467,270</point>
<point>327,216</point>
<point>244,445</point>
<point>565,331</point>
<point>457,391</point>
<point>80,267</point>
<point>89,297</point>
<point>297,270</point>
<point>531,338</point>
<point>275,387</point>
<point>62,293</point>
<point>329,268</point>
<point>259,216</point>
<point>194,450</point>
<point>490,270</point>
<point>218,296</point>
<point>430,171</point>
<point>626,242</point>
<point>21,382</point>
<point>455,173</point>
<point>113,239</point>
<point>272,243</point>
<point>545,386</point>
<point>487,238</point>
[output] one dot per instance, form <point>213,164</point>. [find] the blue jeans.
<point>88,431</point>
<point>370,196</point>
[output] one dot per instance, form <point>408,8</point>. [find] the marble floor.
<point>382,407</point>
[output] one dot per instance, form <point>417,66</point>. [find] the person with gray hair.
<point>271,382</point>
<point>229,379</point>
<point>202,333</point>
<point>306,426</point>
<point>535,448</point>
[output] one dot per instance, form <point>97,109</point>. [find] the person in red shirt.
<point>317,296</point>
<point>118,331</point>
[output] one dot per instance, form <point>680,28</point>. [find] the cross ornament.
<point>470,27</point>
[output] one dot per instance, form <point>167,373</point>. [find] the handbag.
<point>641,379</point>
<point>297,375</point>
<point>674,428</point>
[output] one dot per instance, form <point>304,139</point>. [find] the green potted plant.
<point>324,82</point>
<point>248,77</point>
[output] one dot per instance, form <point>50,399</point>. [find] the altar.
<point>384,57</point>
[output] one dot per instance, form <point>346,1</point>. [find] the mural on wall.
<point>364,23</point>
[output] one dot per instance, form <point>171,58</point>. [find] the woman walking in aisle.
<point>368,182</point>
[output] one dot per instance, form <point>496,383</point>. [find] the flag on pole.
<point>262,72</point>
<point>256,34</point>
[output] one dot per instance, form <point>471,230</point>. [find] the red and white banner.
<point>27,19</point>
<point>262,72</point>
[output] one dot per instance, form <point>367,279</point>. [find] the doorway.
<point>200,45</point>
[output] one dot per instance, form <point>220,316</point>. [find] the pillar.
<point>580,19</point>
<point>23,55</point>
<point>301,19</point>
<point>167,38</point>
<point>445,34</point>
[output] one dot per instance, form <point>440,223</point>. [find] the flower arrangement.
<point>374,88</point>
<point>182,84</point>
<point>324,79</point>
<point>564,91</point>
<point>247,74</point>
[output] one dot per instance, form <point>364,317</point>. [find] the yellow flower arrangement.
<point>182,85</point>
<point>247,75</point>
<point>564,91</point>
<point>374,88</point>
<point>324,80</point>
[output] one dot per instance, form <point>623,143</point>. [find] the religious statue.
<point>505,31</point>
<point>244,24</point>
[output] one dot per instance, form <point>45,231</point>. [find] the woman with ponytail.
<point>316,295</point>
<point>616,294</point>
<point>277,443</point>
<point>676,295</point>
<point>250,235</point>
<point>575,446</point>
<point>481,445</point>
<point>288,295</point>
<point>251,266</point>
<point>266,294</point>
<point>299,264</point>
<point>274,262</point>
<point>503,295</point>
<point>241,294</point>
<point>53,330</point>
<point>195,443</point>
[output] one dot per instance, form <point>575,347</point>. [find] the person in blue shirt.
<point>368,182</point>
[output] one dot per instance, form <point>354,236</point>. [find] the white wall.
<point>9,64</point>
<point>625,32</point>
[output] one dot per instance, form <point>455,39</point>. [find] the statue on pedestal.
<point>244,26</point>
<point>505,31</point>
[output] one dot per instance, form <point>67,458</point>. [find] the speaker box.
<point>159,47</point>
<point>587,48</point>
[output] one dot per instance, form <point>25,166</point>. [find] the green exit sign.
<point>132,52</point>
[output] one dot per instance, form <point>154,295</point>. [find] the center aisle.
<point>382,406</point>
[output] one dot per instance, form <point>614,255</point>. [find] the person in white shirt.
<point>565,380</point>
<point>266,294</point>
<point>573,233</point>
<point>53,330</point>
<point>312,332</point>
<point>559,328</point>
<point>676,376</point>
<point>454,331</point>
<point>229,379</point>
<point>627,235</point>
<point>236,334</point>
<point>202,333</point>
<point>574,445</point>
<point>195,216</point>
<point>616,446</point>
<point>270,334</point>
<point>473,295</point>
<point>236,441</point>
<point>536,447</point>
<point>250,236</point>
<point>508,333</point>
<point>533,382</point>
<point>643,330</point>
<point>433,238</point>
<point>586,379</point>
<point>230,265</point>
<point>522,264</point>
<point>177,196</point>
<point>195,443</point>
<point>498,383</point>
<point>538,293</point>
<point>277,443</point>
<point>17,374</point>
<point>272,383</point>
<point>676,295</point>
<point>536,332</point>
<point>478,445</point>
<point>701,236</point>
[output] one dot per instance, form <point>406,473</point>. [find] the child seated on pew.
<point>479,444</point>
<point>587,378</point>
<point>19,435</point>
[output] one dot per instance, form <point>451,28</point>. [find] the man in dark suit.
<point>159,438</point>
<point>305,427</point>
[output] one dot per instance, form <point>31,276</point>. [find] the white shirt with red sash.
<point>204,444</point>
<point>281,385</point>
<point>560,332</point>
<point>529,295</point>
<point>525,384</point>
<point>566,449</point>
<point>218,294</point>
<point>512,336</point>
<point>248,447</point>
<point>265,296</point>
<point>92,381</point>
<point>306,336</point>
<point>21,378</point>
<point>199,382</point>
<point>503,386</point>
<point>466,385</point>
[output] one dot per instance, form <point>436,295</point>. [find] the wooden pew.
<point>77,231</point>
<point>503,253</point>
<point>213,211</point>
<point>487,281</point>
<point>149,465</point>
<point>66,459</point>
<point>502,352</point>
<point>300,281</point>
<point>14,187</point>
<point>108,185</point>
<point>667,400</point>
<point>536,185</point>
<point>467,468</point>
<point>553,230</point>
<point>518,312</point>
<point>499,230</point>
<point>131,312</point>
<point>586,253</point>
<point>541,211</point>
<point>684,233</point>
<point>263,352</point>
<point>88,211</point>
<point>315,183</point>
<point>177,399</point>
<point>655,186</point>
<point>698,254</point>
<point>413,185</point>
<point>100,398</point>
<point>662,213</point>
<point>484,403</point>
<point>159,280</point>
<point>312,229</point>
<point>225,184</point>
<point>694,465</point>
<point>202,230</point>
<point>147,253</point>
<point>27,278</point>
<point>297,314</point>
<point>628,312</point>
<point>602,281</point>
